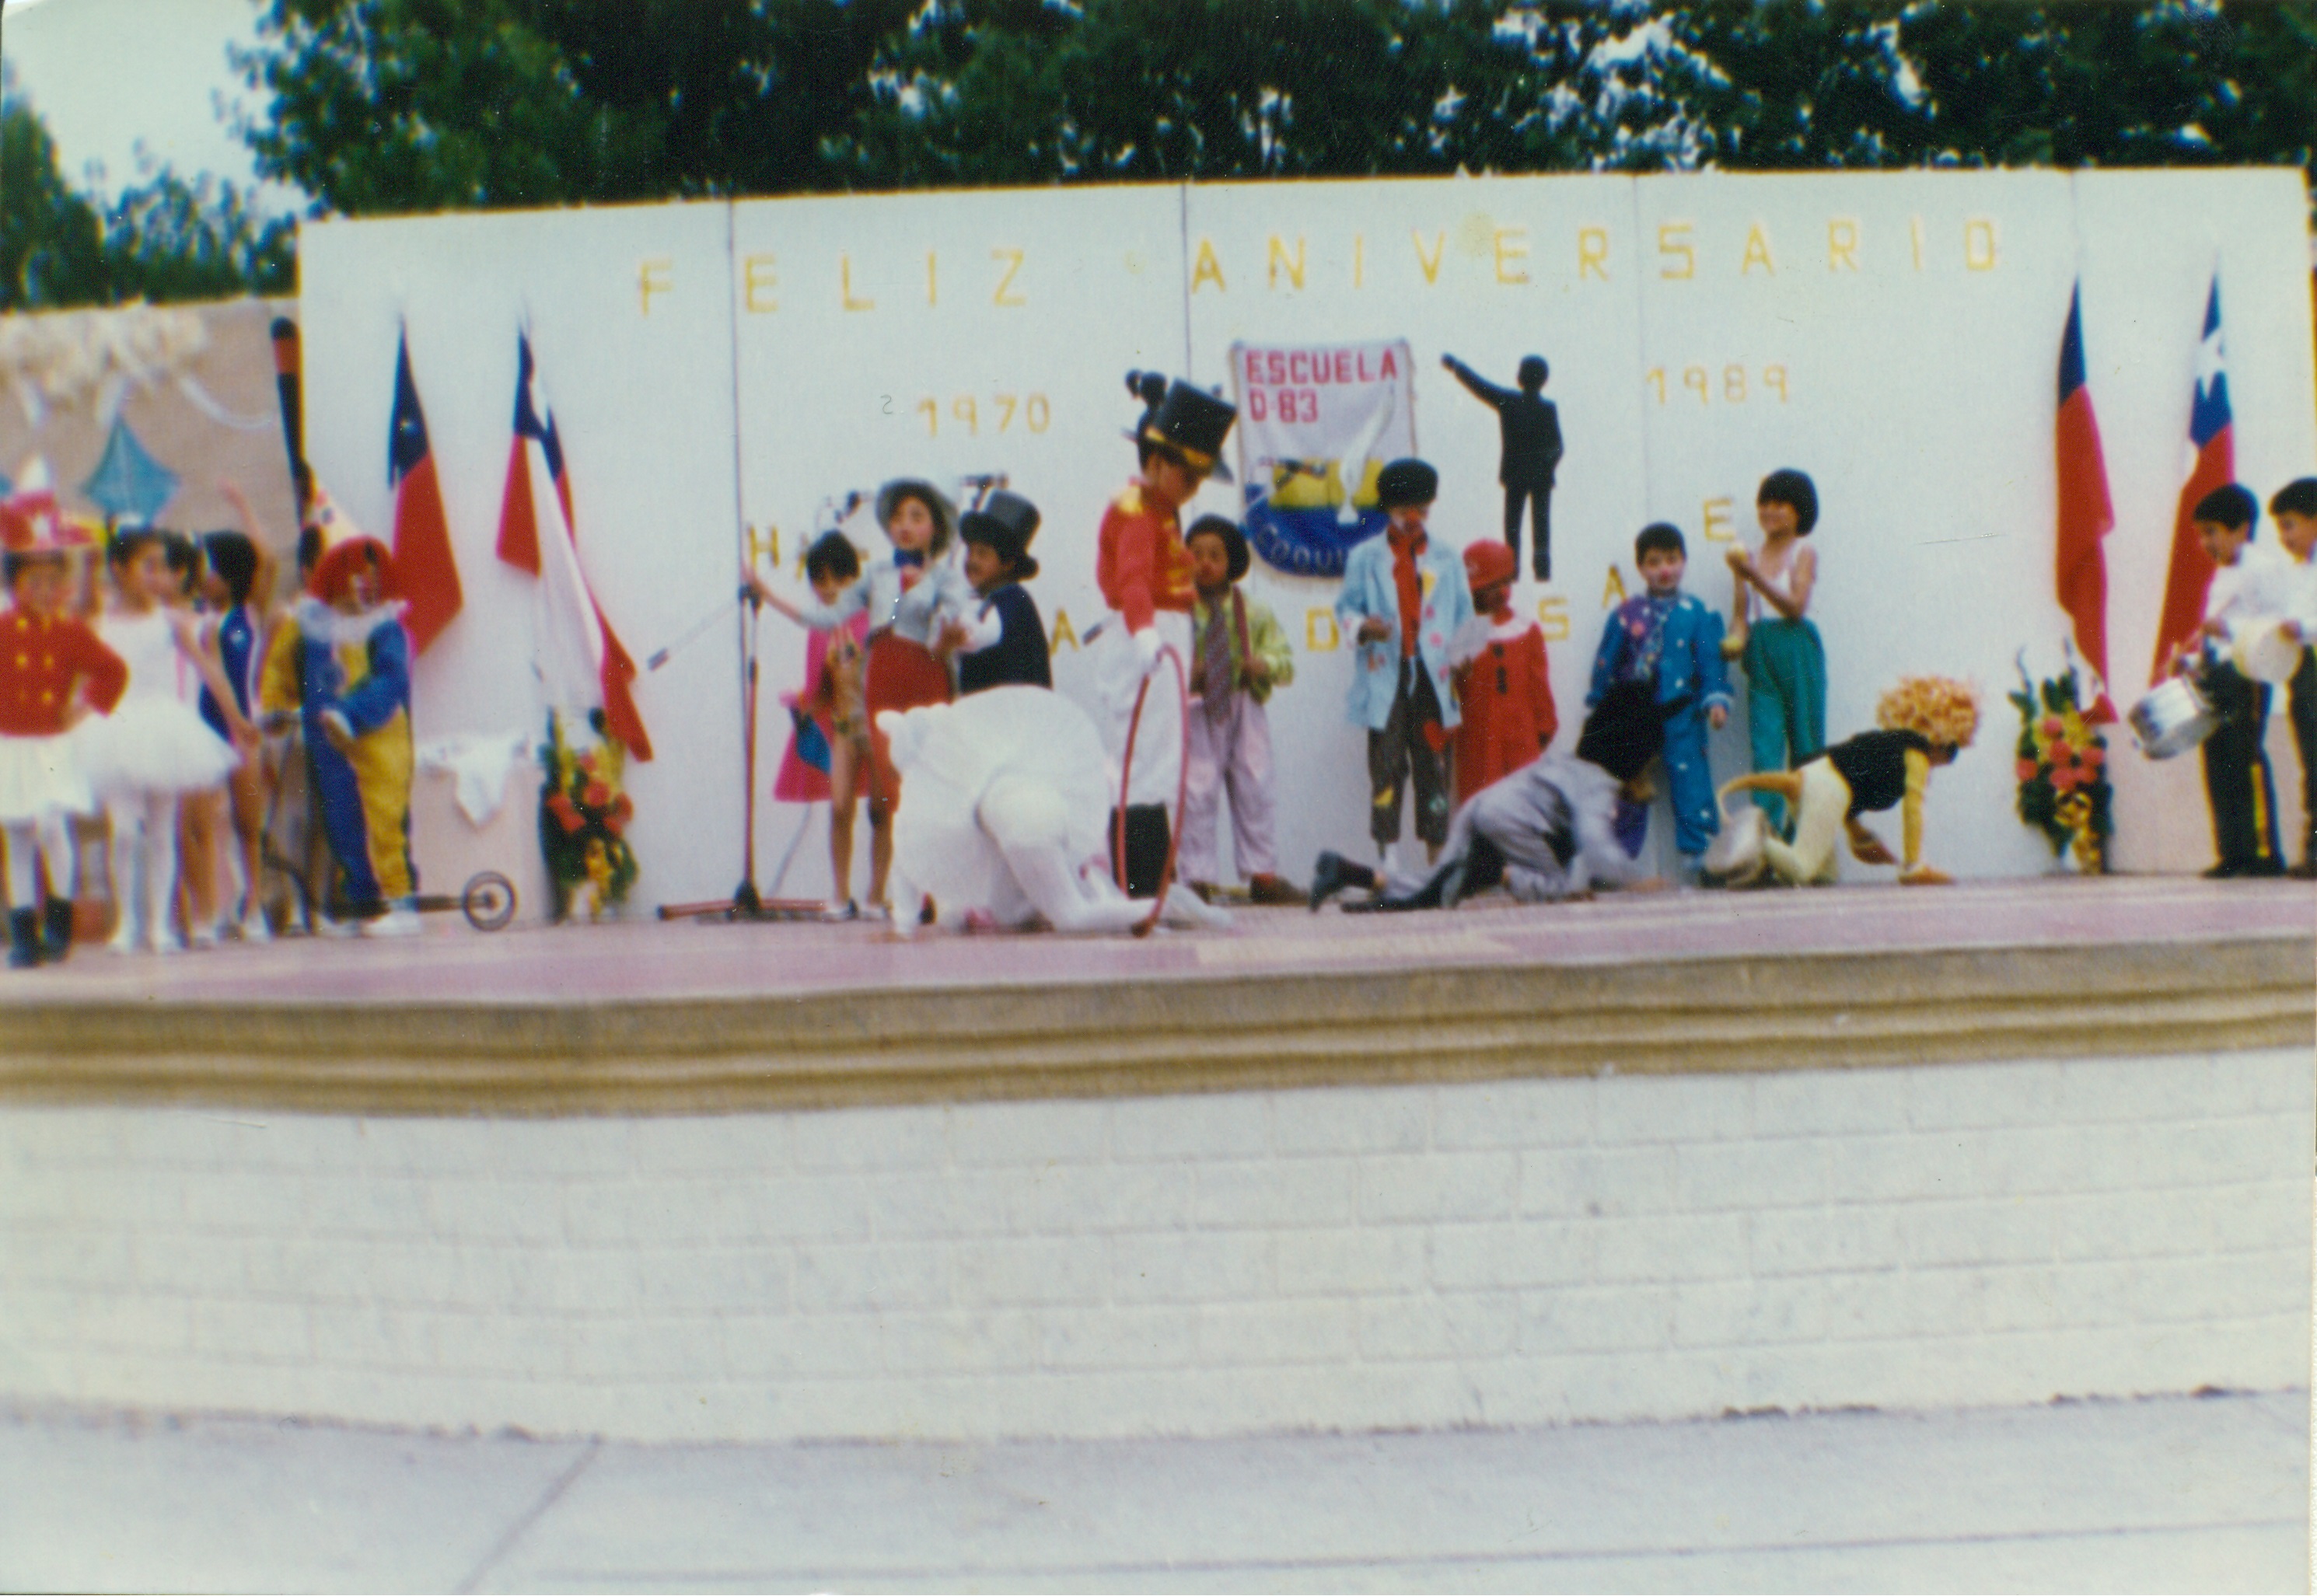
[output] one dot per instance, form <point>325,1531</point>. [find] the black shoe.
<point>23,939</point>
<point>2306,871</point>
<point>2266,868</point>
<point>2224,872</point>
<point>56,931</point>
<point>1329,875</point>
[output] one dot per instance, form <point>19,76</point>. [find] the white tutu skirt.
<point>42,776</point>
<point>151,744</point>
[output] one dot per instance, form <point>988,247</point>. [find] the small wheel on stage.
<point>489,901</point>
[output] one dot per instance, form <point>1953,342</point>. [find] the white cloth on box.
<point>41,776</point>
<point>1005,797</point>
<point>154,741</point>
<point>477,764</point>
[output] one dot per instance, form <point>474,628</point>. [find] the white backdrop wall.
<point>721,371</point>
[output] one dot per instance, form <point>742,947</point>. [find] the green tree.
<point>51,241</point>
<point>165,239</point>
<point>418,104</point>
<point>397,105</point>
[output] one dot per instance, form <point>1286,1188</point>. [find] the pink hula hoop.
<point>1182,788</point>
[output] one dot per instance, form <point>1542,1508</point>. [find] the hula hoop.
<point>1182,788</point>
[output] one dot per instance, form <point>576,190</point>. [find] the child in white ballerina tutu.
<point>154,747</point>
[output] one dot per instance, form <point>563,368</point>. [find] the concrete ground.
<point>2208,1493</point>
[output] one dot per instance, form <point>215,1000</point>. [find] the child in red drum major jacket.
<point>1505,689</point>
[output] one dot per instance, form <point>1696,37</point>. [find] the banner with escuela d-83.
<point>1316,424</point>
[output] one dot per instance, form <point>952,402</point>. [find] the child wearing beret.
<point>1404,602</point>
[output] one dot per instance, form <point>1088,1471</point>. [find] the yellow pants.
<point>1814,858</point>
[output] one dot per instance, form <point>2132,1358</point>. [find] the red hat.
<point>342,540</point>
<point>30,520</point>
<point>1486,563</point>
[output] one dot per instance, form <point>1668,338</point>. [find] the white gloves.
<point>1147,645</point>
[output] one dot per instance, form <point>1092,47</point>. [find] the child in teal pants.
<point>1785,663</point>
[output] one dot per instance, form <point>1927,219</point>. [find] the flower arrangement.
<point>2063,769</point>
<point>583,820</point>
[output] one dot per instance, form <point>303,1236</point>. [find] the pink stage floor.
<point>647,960</point>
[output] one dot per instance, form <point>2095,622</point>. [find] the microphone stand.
<point>746,904</point>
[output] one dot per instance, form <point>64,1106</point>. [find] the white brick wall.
<point>1509,1253</point>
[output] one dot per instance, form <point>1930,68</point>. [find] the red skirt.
<point>899,675</point>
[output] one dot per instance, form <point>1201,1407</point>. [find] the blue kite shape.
<point>129,484</point>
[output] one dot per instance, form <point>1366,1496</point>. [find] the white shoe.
<point>326,926</point>
<point>122,941</point>
<point>394,922</point>
<point>165,943</point>
<point>837,913</point>
<point>251,928</point>
<point>204,937</point>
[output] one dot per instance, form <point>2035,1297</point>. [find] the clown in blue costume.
<point>1666,634</point>
<point>341,663</point>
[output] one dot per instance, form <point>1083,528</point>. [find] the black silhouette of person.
<point>1531,431</point>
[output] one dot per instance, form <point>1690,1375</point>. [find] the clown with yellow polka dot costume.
<point>53,672</point>
<point>341,663</point>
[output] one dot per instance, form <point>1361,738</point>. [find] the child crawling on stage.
<point>1547,832</point>
<point>1921,722</point>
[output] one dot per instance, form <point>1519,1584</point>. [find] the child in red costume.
<point>1506,691</point>
<point>53,671</point>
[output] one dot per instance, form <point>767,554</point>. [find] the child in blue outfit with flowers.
<point>1663,634</point>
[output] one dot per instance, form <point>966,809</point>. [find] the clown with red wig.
<point>341,663</point>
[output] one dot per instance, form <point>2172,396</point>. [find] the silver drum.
<point>2172,720</point>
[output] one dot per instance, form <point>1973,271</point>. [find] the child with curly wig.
<point>1922,721</point>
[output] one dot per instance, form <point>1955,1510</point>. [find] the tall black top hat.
<point>1192,423</point>
<point>1006,524</point>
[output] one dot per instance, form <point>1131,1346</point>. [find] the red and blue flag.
<point>424,568</point>
<point>2212,463</point>
<point>578,656</point>
<point>2086,515</point>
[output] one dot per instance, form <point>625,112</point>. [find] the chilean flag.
<point>422,565</point>
<point>2086,515</point>
<point>2212,463</point>
<point>579,659</point>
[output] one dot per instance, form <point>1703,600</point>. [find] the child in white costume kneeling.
<point>1007,821</point>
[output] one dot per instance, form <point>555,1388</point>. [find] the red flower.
<point>2063,778</point>
<point>595,796</point>
<point>616,822</point>
<point>565,815</point>
<point>2027,769</point>
<point>2054,727</point>
<point>2095,756</point>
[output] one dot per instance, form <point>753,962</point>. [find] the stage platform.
<point>696,1016</point>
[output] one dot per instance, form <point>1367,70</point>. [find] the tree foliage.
<point>390,105</point>
<point>165,239</point>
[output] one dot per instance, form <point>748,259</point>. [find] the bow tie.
<point>909,557</point>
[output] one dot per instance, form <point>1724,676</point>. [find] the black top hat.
<point>1191,423</point>
<point>944,513</point>
<point>1234,540</point>
<point>1005,523</point>
<point>1406,481</point>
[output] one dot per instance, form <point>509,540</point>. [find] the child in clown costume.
<point>341,663</point>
